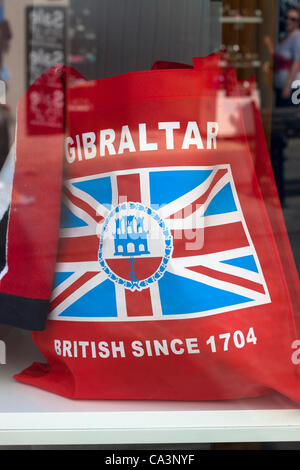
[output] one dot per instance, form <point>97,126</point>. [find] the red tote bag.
<point>242,97</point>
<point>168,282</point>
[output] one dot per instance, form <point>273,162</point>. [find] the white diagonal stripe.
<point>80,213</point>
<point>217,187</point>
<point>65,284</point>
<point>81,266</point>
<point>183,201</point>
<point>222,219</point>
<point>96,205</point>
<point>223,285</point>
<point>224,268</point>
<point>187,261</point>
<point>198,221</point>
<point>82,290</point>
<point>79,231</point>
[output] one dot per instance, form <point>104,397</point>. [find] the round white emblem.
<point>135,246</point>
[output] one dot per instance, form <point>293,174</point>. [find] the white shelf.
<point>29,416</point>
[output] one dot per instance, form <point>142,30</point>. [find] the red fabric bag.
<point>169,284</point>
<point>33,223</point>
<point>242,97</point>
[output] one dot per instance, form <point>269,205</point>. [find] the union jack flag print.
<point>154,244</point>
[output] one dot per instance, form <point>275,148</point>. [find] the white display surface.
<point>30,416</point>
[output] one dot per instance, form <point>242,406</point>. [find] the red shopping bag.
<point>168,281</point>
<point>266,180</point>
<point>242,98</point>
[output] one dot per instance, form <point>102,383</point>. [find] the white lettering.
<point>93,349</point>
<point>169,128</point>
<point>75,350</point>
<point>107,138</point>
<point>160,347</point>
<point>83,345</point>
<point>127,461</point>
<point>192,136</point>
<point>116,349</point>
<point>57,347</point>
<point>296,354</point>
<point>70,151</point>
<point>212,132</point>
<point>104,349</point>
<point>148,348</point>
<point>89,147</point>
<point>137,348</point>
<point>126,142</point>
<point>144,145</point>
<point>67,348</point>
<point>85,146</point>
<point>169,459</point>
<point>192,346</point>
<point>173,346</point>
<point>296,94</point>
<point>78,147</point>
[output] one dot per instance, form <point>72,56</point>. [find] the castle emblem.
<point>135,246</point>
<point>130,236</point>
